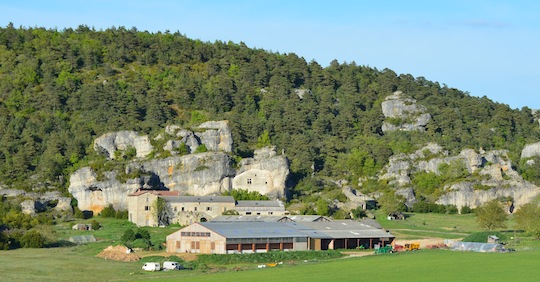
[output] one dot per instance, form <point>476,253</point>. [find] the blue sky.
<point>487,48</point>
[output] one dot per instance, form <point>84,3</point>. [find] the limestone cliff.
<point>491,176</point>
<point>403,114</point>
<point>265,173</point>
<point>193,174</point>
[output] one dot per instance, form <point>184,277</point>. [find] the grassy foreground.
<point>425,265</point>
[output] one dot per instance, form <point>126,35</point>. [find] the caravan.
<point>171,265</point>
<point>151,266</point>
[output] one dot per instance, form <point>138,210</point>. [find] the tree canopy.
<point>60,89</point>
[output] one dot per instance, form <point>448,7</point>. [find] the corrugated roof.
<point>252,229</point>
<point>250,204</point>
<point>247,218</point>
<point>343,229</point>
<point>308,218</point>
<point>204,199</point>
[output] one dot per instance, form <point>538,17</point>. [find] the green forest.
<point>60,89</point>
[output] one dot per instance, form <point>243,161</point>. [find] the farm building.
<point>238,237</point>
<point>343,234</point>
<point>261,208</point>
<point>263,236</point>
<point>182,209</point>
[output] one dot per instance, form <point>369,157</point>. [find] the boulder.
<point>217,136</point>
<point>531,150</point>
<point>406,115</point>
<point>108,143</point>
<point>265,173</point>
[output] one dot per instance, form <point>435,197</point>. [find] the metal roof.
<point>338,229</point>
<point>341,229</point>
<point>262,218</point>
<point>196,199</point>
<point>267,204</point>
<point>252,229</point>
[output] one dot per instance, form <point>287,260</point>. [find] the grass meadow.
<point>79,263</point>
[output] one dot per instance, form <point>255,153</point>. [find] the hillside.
<point>61,89</point>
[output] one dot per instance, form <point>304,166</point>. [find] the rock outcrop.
<point>108,143</point>
<point>531,150</point>
<point>200,174</point>
<point>197,174</point>
<point>94,194</point>
<point>37,202</point>
<point>217,135</point>
<point>404,114</point>
<point>495,176</point>
<point>265,173</point>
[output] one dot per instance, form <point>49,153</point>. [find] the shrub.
<point>95,225</point>
<point>466,210</point>
<point>201,149</point>
<point>121,215</point>
<point>451,209</point>
<point>108,211</point>
<point>32,239</point>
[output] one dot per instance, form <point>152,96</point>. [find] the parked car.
<point>152,266</point>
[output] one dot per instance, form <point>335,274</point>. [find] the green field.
<point>68,264</point>
<point>78,263</point>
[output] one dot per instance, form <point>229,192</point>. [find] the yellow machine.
<point>411,247</point>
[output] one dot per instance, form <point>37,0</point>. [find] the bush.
<point>108,211</point>
<point>266,257</point>
<point>32,239</point>
<point>95,225</point>
<point>121,215</point>
<point>451,209</point>
<point>201,149</point>
<point>466,210</point>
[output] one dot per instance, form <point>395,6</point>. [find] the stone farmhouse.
<point>222,237</point>
<point>186,210</point>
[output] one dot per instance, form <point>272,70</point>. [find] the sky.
<point>485,48</point>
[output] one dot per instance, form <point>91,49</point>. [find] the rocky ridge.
<point>404,114</point>
<point>497,178</point>
<point>207,173</point>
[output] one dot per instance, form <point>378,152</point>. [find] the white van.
<point>151,266</point>
<point>171,265</point>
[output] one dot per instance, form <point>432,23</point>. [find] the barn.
<point>238,237</point>
<point>225,237</point>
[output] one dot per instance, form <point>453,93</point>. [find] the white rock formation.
<point>265,173</point>
<point>411,116</point>
<point>109,143</point>
<point>531,150</point>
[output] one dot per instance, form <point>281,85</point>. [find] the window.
<point>147,200</point>
<point>248,213</point>
<point>208,208</point>
<point>195,209</point>
<point>249,181</point>
<point>182,208</point>
<point>174,208</point>
<point>146,208</point>
<point>270,213</point>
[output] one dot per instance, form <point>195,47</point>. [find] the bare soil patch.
<point>118,253</point>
